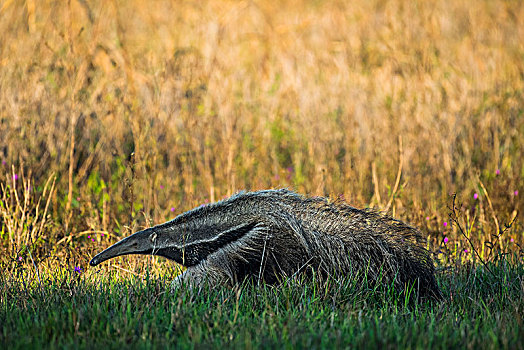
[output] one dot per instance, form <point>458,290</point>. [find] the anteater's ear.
<point>141,242</point>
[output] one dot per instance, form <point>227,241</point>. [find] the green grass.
<point>482,309</point>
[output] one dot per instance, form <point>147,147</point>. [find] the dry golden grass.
<point>141,110</point>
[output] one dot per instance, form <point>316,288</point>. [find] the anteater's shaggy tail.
<point>267,235</point>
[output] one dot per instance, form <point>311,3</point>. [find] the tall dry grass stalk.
<point>143,107</point>
<point>24,213</point>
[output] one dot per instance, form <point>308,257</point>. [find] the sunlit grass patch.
<point>103,309</point>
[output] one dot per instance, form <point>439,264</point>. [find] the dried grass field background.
<point>116,115</point>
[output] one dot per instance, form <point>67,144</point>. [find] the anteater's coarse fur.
<point>273,234</point>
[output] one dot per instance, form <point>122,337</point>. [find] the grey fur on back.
<point>290,232</point>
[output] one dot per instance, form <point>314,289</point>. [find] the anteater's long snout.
<point>138,243</point>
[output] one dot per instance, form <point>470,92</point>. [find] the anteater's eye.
<point>152,237</point>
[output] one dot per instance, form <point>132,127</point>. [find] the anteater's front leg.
<point>197,276</point>
<point>217,269</point>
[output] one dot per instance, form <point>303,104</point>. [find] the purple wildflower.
<point>15,177</point>
<point>446,239</point>
<point>476,195</point>
<point>89,236</point>
<point>512,240</point>
<point>427,217</point>
<point>78,269</point>
<point>172,209</point>
<point>4,162</point>
<point>161,187</point>
<point>102,234</point>
<point>497,171</point>
<point>20,258</point>
<point>445,224</point>
<point>93,239</point>
<point>516,193</point>
<point>466,250</point>
<point>290,171</point>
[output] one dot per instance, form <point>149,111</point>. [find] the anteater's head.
<point>192,236</point>
<point>149,241</point>
<point>186,249</point>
